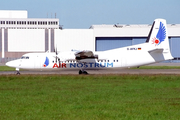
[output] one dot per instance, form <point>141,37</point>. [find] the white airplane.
<point>155,49</point>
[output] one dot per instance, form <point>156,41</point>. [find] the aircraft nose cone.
<point>13,63</point>
<point>10,64</point>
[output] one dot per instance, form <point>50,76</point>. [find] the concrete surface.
<point>105,72</point>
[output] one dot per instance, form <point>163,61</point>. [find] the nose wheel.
<point>17,73</point>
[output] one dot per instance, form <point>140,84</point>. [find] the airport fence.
<point>4,60</point>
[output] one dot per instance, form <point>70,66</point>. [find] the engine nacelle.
<point>64,56</point>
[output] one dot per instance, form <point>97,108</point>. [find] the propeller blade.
<point>56,51</point>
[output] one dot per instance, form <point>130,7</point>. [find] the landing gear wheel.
<point>17,73</point>
<point>80,72</point>
<point>83,72</point>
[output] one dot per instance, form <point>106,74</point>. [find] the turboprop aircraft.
<point>155,49</point>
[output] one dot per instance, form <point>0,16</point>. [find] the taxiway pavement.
<point>95,72</point>
<point>107,71</point>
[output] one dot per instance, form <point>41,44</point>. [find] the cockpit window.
<point>24,57</point>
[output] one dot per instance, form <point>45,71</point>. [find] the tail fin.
<point>158,38</point>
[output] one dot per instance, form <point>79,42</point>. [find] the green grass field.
<point>6,68</point>
<point>91,97</point>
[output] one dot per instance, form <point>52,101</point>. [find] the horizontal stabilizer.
<point>156,50</point>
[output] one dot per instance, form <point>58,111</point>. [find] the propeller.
<point>56,58</point>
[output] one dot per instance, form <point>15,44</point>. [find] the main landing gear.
<point>82,72</point>
<point>83,69</point>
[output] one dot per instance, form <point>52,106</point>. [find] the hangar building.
<point>20,34</point>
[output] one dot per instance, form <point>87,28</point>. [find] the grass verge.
<point>6,68</point>
<point>157,67</point>
<point>92,97</point>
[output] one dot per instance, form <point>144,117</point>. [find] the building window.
<point>19,22</point>
<point>44,23</point>
<point>2,22</point>
<point>40,23</point>
<point>23,22</point>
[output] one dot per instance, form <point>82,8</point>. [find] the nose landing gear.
<point>17,71</point>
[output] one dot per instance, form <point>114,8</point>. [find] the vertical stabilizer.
<point>158,37</point>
